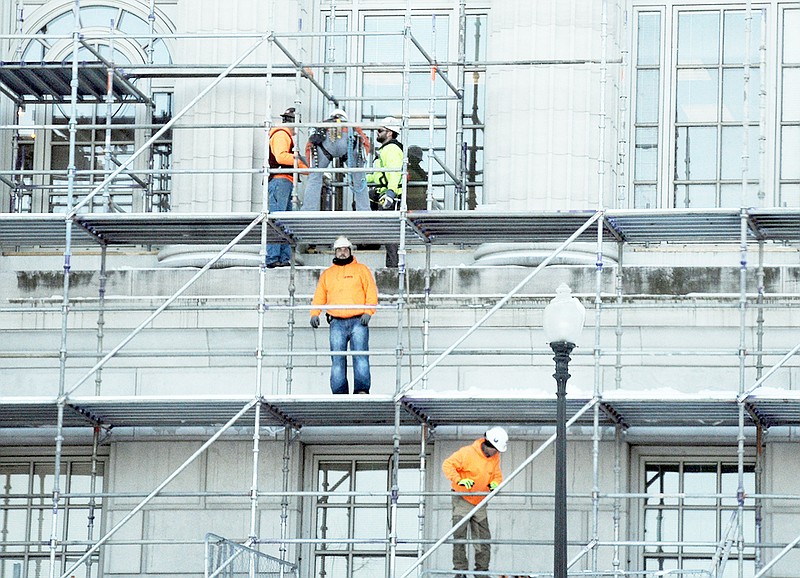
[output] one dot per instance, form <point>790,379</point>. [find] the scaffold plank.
<point>32,412</point>
<point>712,226</point>
<point>632,409</point>
<point>31,82</point>
<point>449,227</point>
<point>678,226</point>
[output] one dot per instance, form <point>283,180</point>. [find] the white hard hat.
<point>342,242</point>
<point>339,113</point>
<point>391,123</point>
<point>498,437</point>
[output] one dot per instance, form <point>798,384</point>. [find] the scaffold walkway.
<point>716,226</point>
<point>764,409</point>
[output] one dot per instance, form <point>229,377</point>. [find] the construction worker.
<point>417,193</point>
<point>348,144</point>
<point>388,185</point>
<point>347,282</point>
<point>474,468</point>
<point>281,155</point>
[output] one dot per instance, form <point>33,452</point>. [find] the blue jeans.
<point>342,331</point>
<point>280,199</point>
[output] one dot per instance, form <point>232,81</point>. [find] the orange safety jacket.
<point>470,462</point>
<point>350,284</point>
<point>281,153</point>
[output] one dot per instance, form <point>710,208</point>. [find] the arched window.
<point>121,37</point>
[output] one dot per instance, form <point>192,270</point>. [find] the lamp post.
<point>563,323</point>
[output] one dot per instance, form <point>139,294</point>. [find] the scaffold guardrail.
<point>228,559</point>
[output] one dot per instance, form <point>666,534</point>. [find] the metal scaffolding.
<point>412,406</point>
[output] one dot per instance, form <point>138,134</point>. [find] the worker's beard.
<point>346,261</point>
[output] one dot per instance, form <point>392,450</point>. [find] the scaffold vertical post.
<point>254,530</point>
<point>65,298</point>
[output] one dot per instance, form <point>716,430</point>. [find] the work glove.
<point>493,485</point>
<point>467,483</point>
<point>365,319</point>
<point>314,321</point>
<point>387,200</point>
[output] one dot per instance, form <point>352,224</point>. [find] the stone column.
<point>542,137</point>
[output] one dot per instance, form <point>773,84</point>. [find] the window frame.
<point>358,455</point>
<point>644,455</point>
<point>666,158</point>
<point>66,554</point>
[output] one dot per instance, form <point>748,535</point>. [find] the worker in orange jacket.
<point>282,156</point>
<point>475,468</point>
<point>347,282</point>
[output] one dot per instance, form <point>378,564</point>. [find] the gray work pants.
<point>479,529</point>
<point>342,147</point>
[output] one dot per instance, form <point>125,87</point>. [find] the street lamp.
<point>563,323</point>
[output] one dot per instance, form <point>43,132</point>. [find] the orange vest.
<point>470,462</point>
<point>350,284</point>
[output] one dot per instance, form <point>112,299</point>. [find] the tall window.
<point>790,110</point>
<point>379,86</point>
<point>709,109</point>
<point>362,517</point>
<point>648,79</point>
<point>690,121</point>
<point>702,522</point>
<point>26,515</point>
